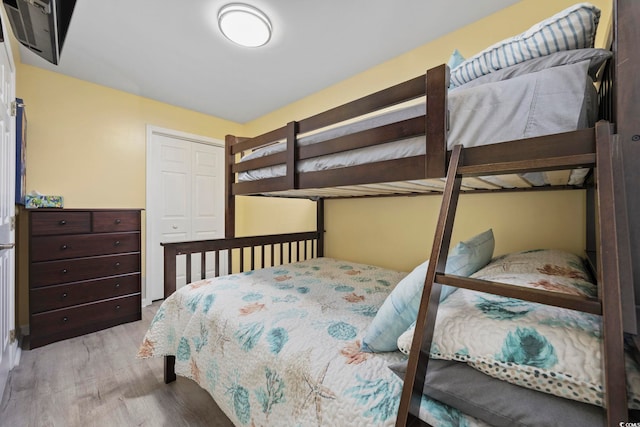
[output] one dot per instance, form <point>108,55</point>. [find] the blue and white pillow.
<point>400,308</point>
<point>573,28</point>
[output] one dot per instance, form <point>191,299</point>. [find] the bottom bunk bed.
<point>285,345</point>
<point>315,342</point>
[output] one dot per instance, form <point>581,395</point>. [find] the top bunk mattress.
<point>554,100</point>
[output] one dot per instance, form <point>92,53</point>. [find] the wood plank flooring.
<point>96,380</point>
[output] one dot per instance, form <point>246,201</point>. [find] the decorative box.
<point>42,201</point>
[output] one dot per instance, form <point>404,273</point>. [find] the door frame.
<point>152,187</point>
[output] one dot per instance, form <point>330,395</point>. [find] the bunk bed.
<point>285,282</point>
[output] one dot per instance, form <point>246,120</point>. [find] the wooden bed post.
<point>609,273</point>
<point>320,226</point>
<point>292,137</point>
<point>169,270</point>
<point>626,107</point>
<point>169,369</point>
<point>437,122</point>
<point>229,179</point>
<point>169,288</point>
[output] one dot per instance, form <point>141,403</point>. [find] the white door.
<point>185,200</point>
<point>8,343</point>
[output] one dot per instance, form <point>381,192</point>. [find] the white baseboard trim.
<point>143,284</point>
<point>16,360</point>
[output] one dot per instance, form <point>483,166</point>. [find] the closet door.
<point>185,201</point>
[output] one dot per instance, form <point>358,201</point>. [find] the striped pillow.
<point>573,28</point>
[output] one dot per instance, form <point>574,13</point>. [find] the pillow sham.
<point>400,308</point>
<point>543,348</point>
<point>573,28</point>
<point>500,403</point>
<point>596,57</point>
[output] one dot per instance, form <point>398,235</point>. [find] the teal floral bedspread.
<point>281,346</point>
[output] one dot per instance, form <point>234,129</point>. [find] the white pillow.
<point>400,309</point>
<point>573,28</point>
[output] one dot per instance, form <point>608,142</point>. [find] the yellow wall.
<point>397,232</point>
<point>87,142</point>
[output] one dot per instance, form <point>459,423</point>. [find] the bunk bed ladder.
<point>425,323</point>
<point>608,303</point>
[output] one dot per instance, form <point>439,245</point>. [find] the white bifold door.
<point>185,200</point>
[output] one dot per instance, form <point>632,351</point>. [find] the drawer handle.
<point>117,307</point>
<point>117,221</point>
<point>117,264</point>
<point>64,247</point>
<point>116,243</point>
<point>65,319</point>
<point>64,295</point>
<point>65,271</point>
<point>117,285</point>
<point>62,222</point>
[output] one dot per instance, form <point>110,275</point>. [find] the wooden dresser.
<point>84,271</point>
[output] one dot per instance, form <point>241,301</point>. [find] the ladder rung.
<point>557,299</point>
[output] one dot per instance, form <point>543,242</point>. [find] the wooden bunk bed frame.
<point>611,146</point>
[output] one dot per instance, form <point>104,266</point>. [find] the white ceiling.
<point>173,52</point>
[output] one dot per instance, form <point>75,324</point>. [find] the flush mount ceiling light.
<point>244,25</point>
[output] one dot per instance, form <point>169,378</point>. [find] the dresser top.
<point>84,209</point>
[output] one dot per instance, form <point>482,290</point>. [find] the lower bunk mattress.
<point>282,346</point>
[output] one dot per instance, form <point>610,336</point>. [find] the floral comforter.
<point>280,346</point>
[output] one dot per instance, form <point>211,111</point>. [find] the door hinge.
<point>44,6</point>
<point>14,107</point>
<point>12,336</point>
<point>13,223</point>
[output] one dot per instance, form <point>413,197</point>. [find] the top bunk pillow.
<point>596,57</point>
<point>455,59</point>
<point>573,28</point>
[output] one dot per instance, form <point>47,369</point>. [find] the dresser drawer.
<point>59,296</point>
<point>48,223</point>
<point>48,248</point>
<point>73,270</point>
<point>80,316</point>
<point>109,221</point>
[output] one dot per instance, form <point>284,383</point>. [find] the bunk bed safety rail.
<point>241,253</point>
<point>389,97</point>
<point>434,125</point>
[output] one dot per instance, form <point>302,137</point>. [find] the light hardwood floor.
<point>96,380</point>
